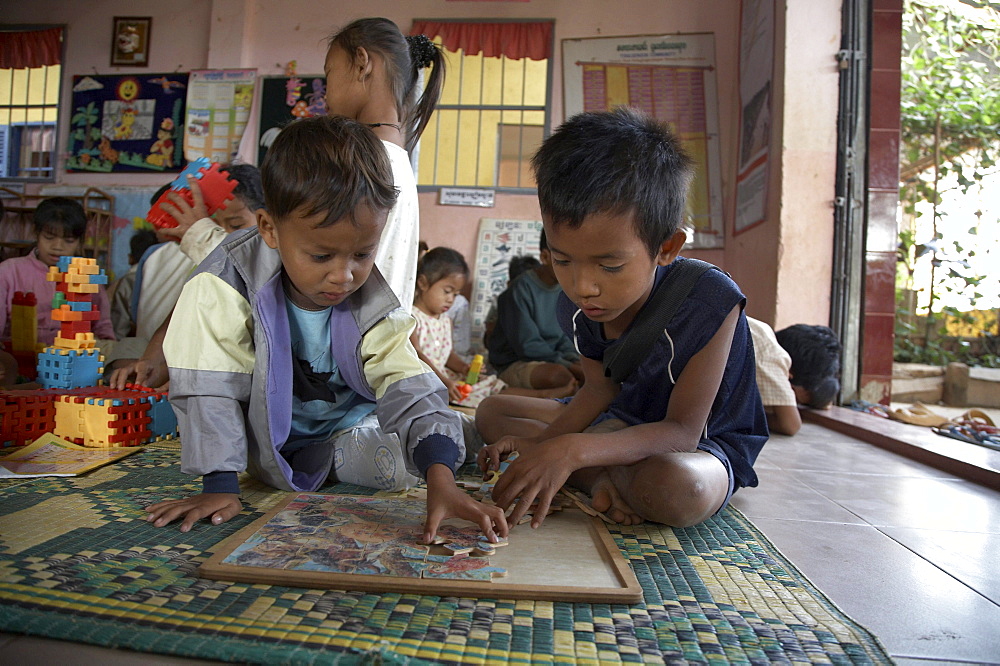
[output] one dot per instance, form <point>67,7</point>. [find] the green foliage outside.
<point>950,116</point>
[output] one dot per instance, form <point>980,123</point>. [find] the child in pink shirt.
<point>59,227</point>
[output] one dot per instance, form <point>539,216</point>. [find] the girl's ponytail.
<point>423,53</point>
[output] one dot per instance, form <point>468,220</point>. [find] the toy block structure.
<point>163,421</point>
<point>215,185</point>
<point>72,360</point>
<point>24,345</point>
<point>25,416</point>
<point>97,417</point>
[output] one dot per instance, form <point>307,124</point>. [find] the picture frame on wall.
<point>130,41</point>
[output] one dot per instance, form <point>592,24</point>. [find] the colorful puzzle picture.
<point>373,543</point>
<point>347,534</point>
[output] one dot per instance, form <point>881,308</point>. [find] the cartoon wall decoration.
<point>126,123</point>
<point>284,98</point>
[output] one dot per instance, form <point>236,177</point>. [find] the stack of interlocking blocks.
<point>73,361</point>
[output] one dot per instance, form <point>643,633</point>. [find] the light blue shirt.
<point>315,420</point>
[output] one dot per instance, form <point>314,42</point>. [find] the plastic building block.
<point>474,368</point>
<point>24,322</point>
<point>62,368</point>
<point>215,185</point>
<point>25,416</point>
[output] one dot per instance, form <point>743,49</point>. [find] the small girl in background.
<point>60,224</point>
<point>441,275</point>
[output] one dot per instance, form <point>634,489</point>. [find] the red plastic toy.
<point>216,189</point>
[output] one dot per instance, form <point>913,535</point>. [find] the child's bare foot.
<point>606,499</point>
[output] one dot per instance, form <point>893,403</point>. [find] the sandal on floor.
<point>968,435</point>
<point>976,417</point>
<point>918,414</point>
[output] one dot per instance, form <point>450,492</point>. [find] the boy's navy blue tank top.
<point>737,421</point>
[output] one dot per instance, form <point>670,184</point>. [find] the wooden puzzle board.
<point>572,557</point>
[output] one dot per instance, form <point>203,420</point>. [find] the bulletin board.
<point>126,123</point>
<point>218,107</point>
<point>285,98</point>
<point>672,78</point>
<point>498,242</point>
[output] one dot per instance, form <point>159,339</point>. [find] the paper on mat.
<point>53,456</point>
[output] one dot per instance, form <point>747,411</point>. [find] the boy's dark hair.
<point>248,188</point>
<point>61,216</point>
<point>815,352</point>
<point>141,241</point>
<point>158,193</point>
<point>329,165</point>
<point>615,162</point>
<point>441,262</point>
<point>542,243</point>
<point>521,264</point>
<point>404,57</point>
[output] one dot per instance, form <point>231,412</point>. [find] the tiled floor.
<point>909,552</point>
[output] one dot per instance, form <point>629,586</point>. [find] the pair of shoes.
<point>918,414</point>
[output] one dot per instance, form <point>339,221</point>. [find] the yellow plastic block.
<point>86,288</point>
<point>82,341</point>
<point>97,425</point>
<point>69,418</point>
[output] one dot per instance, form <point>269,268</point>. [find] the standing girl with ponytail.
<point>372,72</point>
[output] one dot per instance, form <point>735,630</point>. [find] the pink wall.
<point>769,261</point>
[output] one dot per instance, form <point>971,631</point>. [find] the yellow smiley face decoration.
<point>128,89</point>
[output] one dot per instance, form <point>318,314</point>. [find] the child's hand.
<point>220,506</point>
<point>454,394</point>
<point>144,372</point>
<point>537,474</point>
<point>447,500</point>
<point>184,214</point>
<point>491,456</point>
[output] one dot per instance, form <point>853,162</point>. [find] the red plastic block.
<point>216,189</point>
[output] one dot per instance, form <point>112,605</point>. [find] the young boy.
<point>120,293</point>
<point>286,345</point>
<point>672,441</point>
<point>815,354</point>
<point>528,348</point>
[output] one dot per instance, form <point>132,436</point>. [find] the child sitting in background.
<point>517,265</point>
<point>815,353</point>
<point>441,275</point>
<point>60,224</point>
<point>528,348</point>
<point>120,293</point>
<point>671,439</point>
<point>289,355</point>
<point>773,366</point>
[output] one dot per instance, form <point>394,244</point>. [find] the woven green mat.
<point>77,562</point>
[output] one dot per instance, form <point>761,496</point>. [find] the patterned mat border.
<point>799,637</point>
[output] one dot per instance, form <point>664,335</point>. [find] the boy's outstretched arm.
<point>446,500</point>
<point>220,506</point>
<point>539,472</point>
<point>593,398</point>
